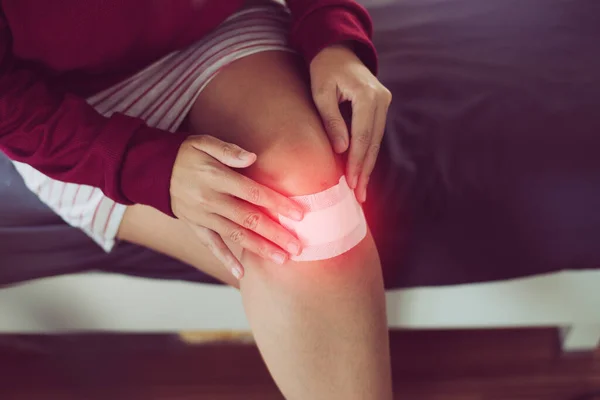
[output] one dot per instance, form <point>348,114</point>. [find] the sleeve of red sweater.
<point>62,136</point>
<point>66,139</point>
<point>321,23</point>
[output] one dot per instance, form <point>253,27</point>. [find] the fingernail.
<point>296,214</point>
<point>363,196</point>
<point>340,144</point>
<point>279,258</point>
<point>353,181</point>
<point>246,156</point>
<point>294,248</point>
<point>358,195</point>
<point>237,272</point>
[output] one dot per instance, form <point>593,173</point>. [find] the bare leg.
<point>150,228</point>
<point>320,326</point>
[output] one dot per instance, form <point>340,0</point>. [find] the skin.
<point>218,202</point>
<point>320,326</point>
<point>338,75</point>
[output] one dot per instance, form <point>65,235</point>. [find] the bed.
<point>487,191</point>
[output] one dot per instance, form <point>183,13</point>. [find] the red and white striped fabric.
<point>162,95</point>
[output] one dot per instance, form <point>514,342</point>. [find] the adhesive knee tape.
<point>333,223</point>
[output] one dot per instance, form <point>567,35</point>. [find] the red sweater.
<point>54,53</point>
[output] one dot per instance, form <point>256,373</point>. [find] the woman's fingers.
<point>337,74</point>
<point>227,153</point>
<point>215,243</point>
<point>248,190</point>
<point>238,185</point>
<point>363,110</point>
<point>251,218</point>
<point>218,202</point>
<point>372,151</point>
<point>247,239</point>
<point>327,101</point>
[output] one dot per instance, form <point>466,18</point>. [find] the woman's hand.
<point>338,75</point>
<point>220,203</point>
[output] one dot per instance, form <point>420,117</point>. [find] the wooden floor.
<point>449,365</point>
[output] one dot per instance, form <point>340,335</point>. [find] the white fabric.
<point>333,223</point>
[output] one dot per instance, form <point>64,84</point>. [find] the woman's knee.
<point>302,162</point>
<point>283,128</point>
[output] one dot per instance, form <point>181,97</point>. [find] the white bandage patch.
<point>333,223</point>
